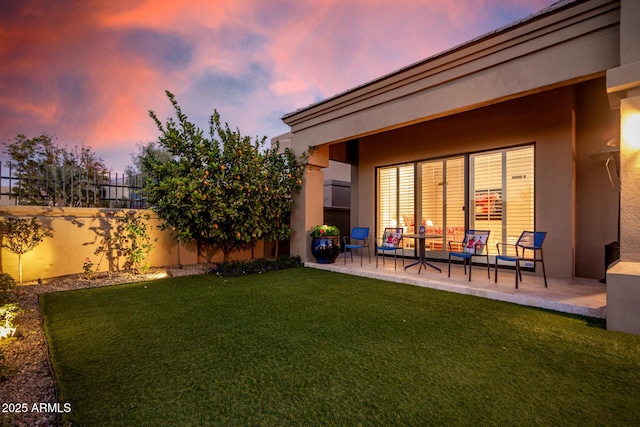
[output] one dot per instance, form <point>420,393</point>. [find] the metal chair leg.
<point>488,271</point>
<point>544,273</point>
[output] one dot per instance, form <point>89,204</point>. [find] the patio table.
<point>422,260</point>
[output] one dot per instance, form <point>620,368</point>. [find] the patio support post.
<point>623,86</point>
<point>309,209</point>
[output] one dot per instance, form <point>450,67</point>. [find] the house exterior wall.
<point>564,51</point>
<point>546,119</point>
<point>596,200</point>
<point>549,54</point>
<point>623,87</point>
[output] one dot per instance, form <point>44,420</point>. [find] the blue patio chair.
<point>391,242</point>
<point>528,241</point>
<point>474,244</point>
<point>359,239</point>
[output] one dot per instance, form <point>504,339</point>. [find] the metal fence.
<point>64,187</point>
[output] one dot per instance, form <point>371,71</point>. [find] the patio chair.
<point>528,241</point>
<point>473,244</point>
<point>359,239</point>
<point>391,242</point>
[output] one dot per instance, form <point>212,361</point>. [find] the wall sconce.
<point>610,153</point>
<point>631,129</point>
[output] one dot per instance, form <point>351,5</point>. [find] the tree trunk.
<point>20,267</point>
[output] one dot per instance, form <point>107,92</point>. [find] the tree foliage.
<point>152,149</point>
<point>225,189</point>
<point>283,175</point>
<point>22,236</point>
<point>50,175</point>
<point>136,172</point>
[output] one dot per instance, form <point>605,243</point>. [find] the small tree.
<point>21,236</point>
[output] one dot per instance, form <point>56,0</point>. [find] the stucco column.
<point>623,278</point>
<point>309,210</point>
<point>630,176</point>
<point>623,86</point>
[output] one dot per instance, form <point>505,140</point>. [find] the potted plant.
<point>325,243</point>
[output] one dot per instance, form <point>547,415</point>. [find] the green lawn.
<point>309,347</point>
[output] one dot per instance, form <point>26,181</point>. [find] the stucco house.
<point>533,126</point>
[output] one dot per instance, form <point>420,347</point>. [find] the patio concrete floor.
<point>586,297</point>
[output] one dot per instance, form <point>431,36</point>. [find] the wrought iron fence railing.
<point>58,186</point>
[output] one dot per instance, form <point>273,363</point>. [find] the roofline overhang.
<point>556,24</point>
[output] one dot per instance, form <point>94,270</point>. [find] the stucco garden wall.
<point>77,232</point>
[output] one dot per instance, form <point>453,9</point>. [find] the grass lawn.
<point>309,347</point>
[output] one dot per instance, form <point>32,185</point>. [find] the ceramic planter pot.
<point>325,249</point>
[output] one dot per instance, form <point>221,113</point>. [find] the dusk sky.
<point>88,71</point>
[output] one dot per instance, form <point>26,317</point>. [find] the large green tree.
<point>226,189</point>
<point>50,175</point>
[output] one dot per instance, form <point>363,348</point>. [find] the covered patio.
<point>503,133</point>
<point>585,297</point>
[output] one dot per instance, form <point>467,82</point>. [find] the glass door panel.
<point>519,200</point>
<point>396,201</point>
<point>455,212</point>
<point>486,195</point>
<point>441,203</point>
<point>432,212</point>
<point>502,194</point>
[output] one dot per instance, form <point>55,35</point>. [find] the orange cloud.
<point>89,70</point>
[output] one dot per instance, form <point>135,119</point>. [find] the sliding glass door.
<point>488,191</point>
<point>502,192</point>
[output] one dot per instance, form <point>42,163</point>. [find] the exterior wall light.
<point>631,129</point>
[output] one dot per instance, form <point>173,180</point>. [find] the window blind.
<point>396,198</point>
<point>519,207</point>
<point>432,194</point>
<point>502,193</point>
<point>454,201</point>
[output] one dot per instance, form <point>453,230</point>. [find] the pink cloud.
<point>90,71</point>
